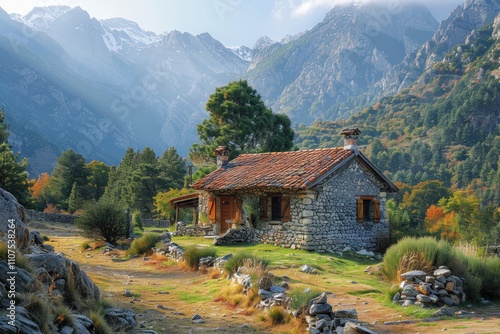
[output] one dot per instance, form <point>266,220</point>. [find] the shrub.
<point>193,254</point>
<point>85,245</point>
<point>239,259</point>
<point>278,315</point>
<point>482,275</point>
<point>38,308</point>
<point>137,221</point>
<point>45,237</point>
<point>63,316</point>
<point>104,220</point>
<point>21,260</point>
<point>301,298</point>
<point>100,325</point>
<point>144,244</point>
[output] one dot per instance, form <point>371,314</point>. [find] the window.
<point>276,208</point>
<point>368,209</point>
<point>278,205</point>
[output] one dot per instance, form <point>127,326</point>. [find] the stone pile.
<point>169,249</point>
<point>182,229</point>
<point>438,289</point>
<point>322,319</point>
<point>54,277</point>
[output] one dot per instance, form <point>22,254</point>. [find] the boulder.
<point>23,323</point>
<point>196,319</point>
<point>351,328</point>
<point>284,285</point>
<point>320,308</point>
<point>449,286</point>
<point>67,269</point>
<point>36,238</point>
<point>410,291</point>
<point>424,288</point>
<point>120,319</point>
<point>83,324</point>
<point>321,299</point>
<point>265,283</point>
<point>408,302</point>
<point>442,272</point>
<point>127,293</point>
<point>346,313</point>
<point>24,281</point>
<point>423,298</point>
<point>264,294</point>
<point>166,238</point>
<point>277,289</point>
<point>307,269</point>
<point>396,297</point>
<point>11,209</point>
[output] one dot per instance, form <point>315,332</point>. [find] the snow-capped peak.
<point>39,18</point>
<point>119,31</point>
<point>243,52</point>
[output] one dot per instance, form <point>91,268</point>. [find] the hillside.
<point>464,20</point>
<point>445,126</point>
<point>343,56</point>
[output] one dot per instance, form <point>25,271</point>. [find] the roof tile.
<point>289,170</point>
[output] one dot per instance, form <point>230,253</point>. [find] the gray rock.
<point>396,297</point>
<point>36,238</point>
<point>444,311</point>
<point>442,272</point>
<point>161,307</point>
<point>264,294</point>
<point>447,300</point>
<point>351,328</point>
<point>196,319</point>
<point>23,323</point>
<point>247,282</point>
<point>284,285</point>
<point>11,209</point>
<point>49,248</point>
<point>265,283</point>
<point>321,299</point>
<point>277,289</point>
<point>430,279</point>
<point>120,319</point>
<point>67,330</point>
<point>410,291</point>
<point>320,308</point>
<point>177,313</point>
<point>434,298</point>
<point>307,269</point>
<point>414,273</point>
<point>323,323</point>
<point>423,298</point>
<point>69,270</point>
<point>346,313</point>
<point>24,281</point>
<point>60,284</point>
<point>127,293</point>
<point>408,302</point>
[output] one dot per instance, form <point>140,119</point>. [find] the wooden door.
<point>226,213</point>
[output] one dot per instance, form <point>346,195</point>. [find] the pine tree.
<point>13,175</point>
<point>76,200</point>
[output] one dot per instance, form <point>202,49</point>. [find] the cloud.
<point>306,7</point>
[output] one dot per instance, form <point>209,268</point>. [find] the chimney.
<point>222,153</point>
<point>351,139</point>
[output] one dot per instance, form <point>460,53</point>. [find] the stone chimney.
<point>222,154</point>
<point>351,139</point>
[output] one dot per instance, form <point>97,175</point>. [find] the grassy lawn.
<point>195,292</point>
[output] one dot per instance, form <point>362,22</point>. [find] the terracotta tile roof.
<point>288,170</point>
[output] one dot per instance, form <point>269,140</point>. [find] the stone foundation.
<point>50,217</point>
<point>193,230</point>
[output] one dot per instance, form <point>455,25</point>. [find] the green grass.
<point>459,327</point>
<point>301,298</point>
<point>144,244</point>
<point>238,260</point>
<point>192,298</point>
<point>369,292</point>
<point>482,275</point>
<point>426,324</point>
<point>193,254</point>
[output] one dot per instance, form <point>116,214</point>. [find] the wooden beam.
<point>176,214</point>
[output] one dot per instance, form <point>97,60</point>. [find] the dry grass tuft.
<point>414,261</point>
<point>214,273</point>
<point>204,270</point>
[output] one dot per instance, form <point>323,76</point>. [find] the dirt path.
<point>192,293</point>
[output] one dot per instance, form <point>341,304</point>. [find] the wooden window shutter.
<point>285,209</point>
<point>211,209</point>
<point>237,212</point>
<point>360,210</point>
<point>376,211</point>
<point>263,207</point>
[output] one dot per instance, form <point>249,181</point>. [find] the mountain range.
<point>100,86</point>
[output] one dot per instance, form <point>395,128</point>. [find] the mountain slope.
<point>471,15</point>
<point>445,126</point>
<point>111,77</point>
<point>343,56</point>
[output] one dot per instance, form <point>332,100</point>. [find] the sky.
<point>232,22</point>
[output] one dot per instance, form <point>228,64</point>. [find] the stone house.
<point>320,199</point>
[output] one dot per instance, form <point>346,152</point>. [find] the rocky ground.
<point>165,297</point>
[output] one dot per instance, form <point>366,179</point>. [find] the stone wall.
<point>193,230</point>
<point>50,217</point>
<point>235,236</point>
<point>155,223</point>
<point>322,219</point>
